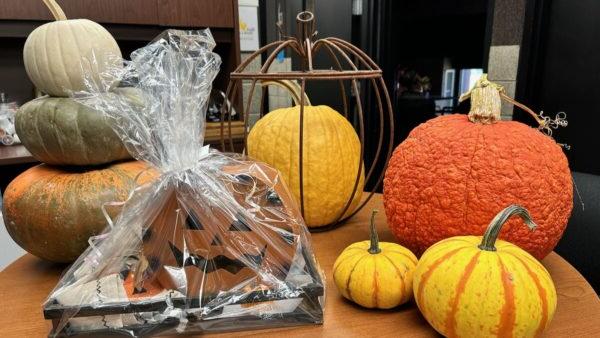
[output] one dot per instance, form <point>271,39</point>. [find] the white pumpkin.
<point>59,56</point>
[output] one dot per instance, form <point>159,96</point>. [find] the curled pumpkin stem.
<point>486,99</point>
<point>493,230</point>
<point>560,120</point>
<point>545,123</point>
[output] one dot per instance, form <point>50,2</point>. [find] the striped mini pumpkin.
<point>375,274</point>
<point>468,286</point>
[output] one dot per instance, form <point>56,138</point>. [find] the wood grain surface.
<point>25,284</point>
<point>141,12</point>
<point>197,13</point>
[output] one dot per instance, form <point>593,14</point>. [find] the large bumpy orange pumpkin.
<point>52,212</point>
<point>452,174</point>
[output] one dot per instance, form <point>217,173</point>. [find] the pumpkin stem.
<point>493,230</point>
<point>55,9</point>
<point>486,102</point>
<point>374,248</point>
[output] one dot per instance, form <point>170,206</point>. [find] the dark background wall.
<point>419,36</point>
<point>13,78</point>
<point>507,24</point>
<point>423,33</point>
<point>396,34</point>
<point>559,71</point>
<point>333,18</point>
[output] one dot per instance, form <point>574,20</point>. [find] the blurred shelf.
<point>179,13</point>
<point>16,154</point>
<point>20,29</point>
<point>213,131</point>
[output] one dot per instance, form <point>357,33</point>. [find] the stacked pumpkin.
<point>52,209</point>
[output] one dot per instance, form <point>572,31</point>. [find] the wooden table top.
<point>15,154</point>
<point>25,284</point>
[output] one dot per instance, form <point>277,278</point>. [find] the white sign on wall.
<point>249,38</point>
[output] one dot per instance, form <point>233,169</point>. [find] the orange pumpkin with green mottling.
<point>51,212</point>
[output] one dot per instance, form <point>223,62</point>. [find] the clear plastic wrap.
<point>214,243</point>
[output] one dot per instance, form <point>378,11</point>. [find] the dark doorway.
<point>415,43</point>
<point>559,71</point>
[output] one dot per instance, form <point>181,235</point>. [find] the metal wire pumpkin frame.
<point>306,46</point>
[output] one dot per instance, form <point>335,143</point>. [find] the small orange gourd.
<point>473,286</point>
<point>375,274</point>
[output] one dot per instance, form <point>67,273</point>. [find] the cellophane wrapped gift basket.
<point>214,243</point>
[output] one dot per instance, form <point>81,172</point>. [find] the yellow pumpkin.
<point>331,156</point>
<point>58,54</point>
<point>374,274</point>
<point>473,286</point>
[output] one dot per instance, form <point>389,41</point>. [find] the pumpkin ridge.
<point>326,122</point>
<point>357,248</point>
<point>336,137</point>
<point>375,284</point>
<point>460,289</point>
<point>317,118</point>
<point>42,123</point>
<point>37,125</point>
<point>291,151</point>
<point>56,111</point>
<point>508,312</point>
<point>81,138</point>
<point>49,75</point>
<point>93,66</point>
<point>26,200</point>
<point>343,261</point>
<point>42,55</point>
<point>332,171</point>
<point>267,122</point>
<point>358,174</point>
<point>60,52</point>
<point>401,253</point>
<point>350,278</point>
<point>36,71</point>
<point>526,257</point>
<point>399,273</point>
<point>541,293</point>
<point>425,277</point>
<point>469,176</point>
<point>450,240</point>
